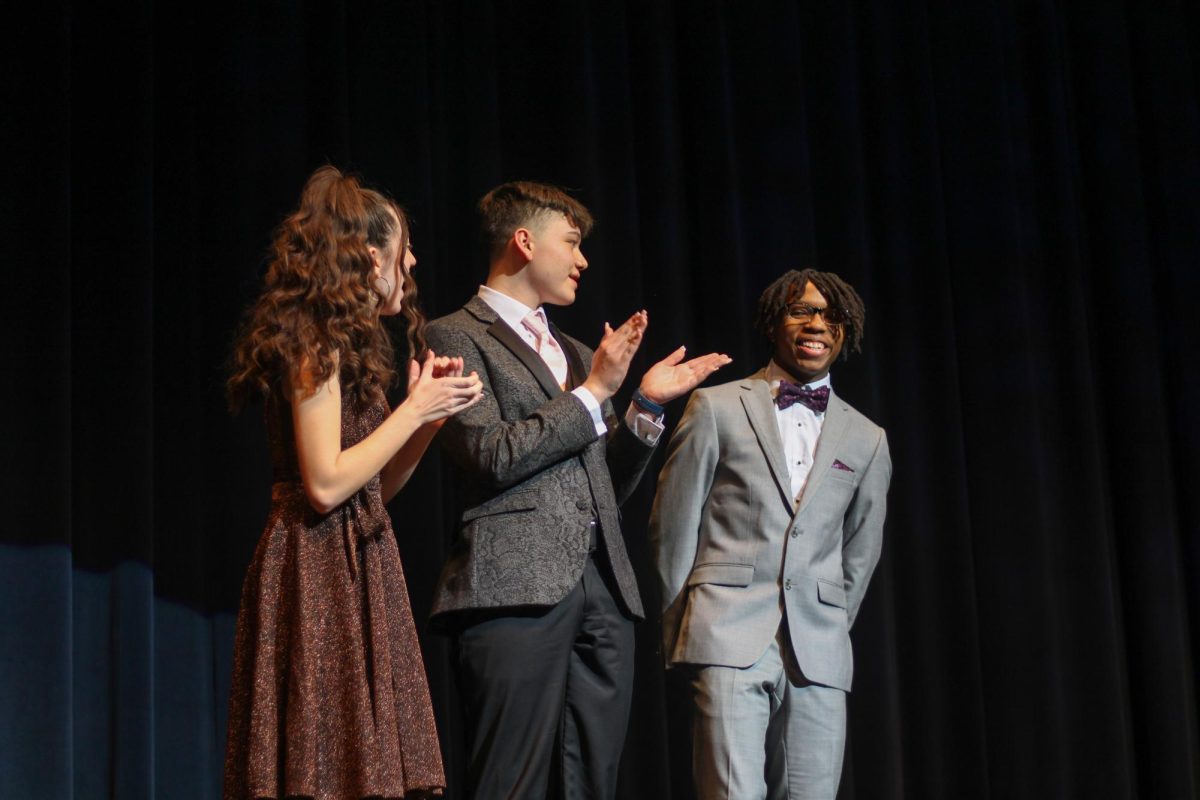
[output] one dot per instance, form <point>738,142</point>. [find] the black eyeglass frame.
<point>833,316</point>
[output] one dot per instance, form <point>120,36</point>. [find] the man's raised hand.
<point>611,361</point>
<point>670,378</point>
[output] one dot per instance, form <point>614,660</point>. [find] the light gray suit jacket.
<point>531,472</point>
<point>733,552</point>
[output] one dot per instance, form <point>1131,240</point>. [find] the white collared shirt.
<point>799,430</point>
<point>513,312</point>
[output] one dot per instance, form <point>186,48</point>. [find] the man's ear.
<point>523,240</point>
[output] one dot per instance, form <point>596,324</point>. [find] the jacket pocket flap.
<point>831,594</point>
<point>516,501</point>
<point>722,574</point>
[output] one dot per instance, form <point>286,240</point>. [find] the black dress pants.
<point>547,696</point>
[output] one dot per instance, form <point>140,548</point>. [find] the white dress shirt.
<point>513,312</point>
<point>799,430</point>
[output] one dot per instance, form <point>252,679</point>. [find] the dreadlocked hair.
<point>773,303</point>
<point>318,312</point>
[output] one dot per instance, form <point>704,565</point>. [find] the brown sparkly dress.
<point>328,698</point>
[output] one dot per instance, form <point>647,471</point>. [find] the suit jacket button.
<point>787,584</point>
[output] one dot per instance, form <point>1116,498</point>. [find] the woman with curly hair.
<point>329,698</point>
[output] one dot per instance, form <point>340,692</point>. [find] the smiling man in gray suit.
<point>766,528</point>
<point>538,589</point>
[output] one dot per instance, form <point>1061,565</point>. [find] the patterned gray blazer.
<point>531,473</point>
<point>735,557</point>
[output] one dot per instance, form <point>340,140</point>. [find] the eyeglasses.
<point>802,312</point>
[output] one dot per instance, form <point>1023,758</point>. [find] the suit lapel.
<point>833,429</point>
<point>760,410</point>
<point>576,374</point>
<point>500,331</point>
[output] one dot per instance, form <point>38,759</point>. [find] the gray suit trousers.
<point>763,732</point>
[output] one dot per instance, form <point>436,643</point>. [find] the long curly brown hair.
<point>318,310</point>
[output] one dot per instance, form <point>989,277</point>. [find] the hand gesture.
<point>616,350</point>
<point>437,389</point>
<point>669,379</point>
<point>443,367</point>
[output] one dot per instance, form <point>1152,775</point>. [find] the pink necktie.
<point>547,348</point>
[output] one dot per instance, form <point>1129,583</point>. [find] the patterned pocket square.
<point>839,465</point>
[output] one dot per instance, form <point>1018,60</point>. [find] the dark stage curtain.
<point>1013,187</point>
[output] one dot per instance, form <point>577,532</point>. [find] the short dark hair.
<point>773,303</point>
<point>512,205</point>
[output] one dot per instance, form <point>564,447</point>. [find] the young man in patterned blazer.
<point>538,590</point>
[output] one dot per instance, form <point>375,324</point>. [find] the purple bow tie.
<point>792,393</point>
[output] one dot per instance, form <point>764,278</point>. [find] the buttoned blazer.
<point>530,470</point>
<point>734,553</point>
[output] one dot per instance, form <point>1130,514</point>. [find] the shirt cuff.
<point>644,426</point>
<point>590,403</point>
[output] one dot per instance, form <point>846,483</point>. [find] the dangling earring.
<point>384,294</point>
